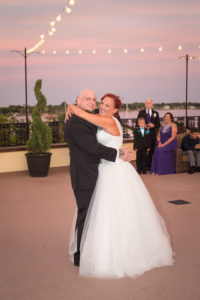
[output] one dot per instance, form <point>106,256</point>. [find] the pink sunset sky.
<point>101,25</point>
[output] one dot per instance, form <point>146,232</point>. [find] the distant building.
<point>166,107</point>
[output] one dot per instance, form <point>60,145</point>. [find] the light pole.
<point>187,56</point>
<point>25,55</point>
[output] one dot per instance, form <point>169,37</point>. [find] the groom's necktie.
<point>148,117</point>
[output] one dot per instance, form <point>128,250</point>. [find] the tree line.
<point>6,113</point>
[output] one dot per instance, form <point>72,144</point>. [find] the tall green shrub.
<point>41,138</point>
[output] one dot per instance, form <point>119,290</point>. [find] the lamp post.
<point>187,57</point>
<point>25,55</point>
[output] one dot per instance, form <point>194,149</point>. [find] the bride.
<point>123,235</point>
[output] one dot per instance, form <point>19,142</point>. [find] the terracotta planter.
<point>38,163</point>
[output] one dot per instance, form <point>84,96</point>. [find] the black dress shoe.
<point>192,170</point>
<point>77,258</point>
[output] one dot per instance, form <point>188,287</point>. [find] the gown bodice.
<point>110,140</point>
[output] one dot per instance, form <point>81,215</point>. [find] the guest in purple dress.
<point>163,157</point>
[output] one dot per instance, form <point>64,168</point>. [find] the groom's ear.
<point>78,101</point>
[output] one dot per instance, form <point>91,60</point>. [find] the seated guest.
<point>191,146</point>
<point>163,157</point>
<point>142,145</point>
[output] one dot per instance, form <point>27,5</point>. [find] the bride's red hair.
<point>117,102</point>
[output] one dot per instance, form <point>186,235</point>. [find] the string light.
<point>52,23</point>
<point>179,47</point>
<point>71,2</point>
<point>35,47</point>
<point>94,51</point>
<point>68,10</point>
<point>43,51</point>
<point>58,18</point>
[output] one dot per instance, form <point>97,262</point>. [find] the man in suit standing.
<point>152,122</point>
<point>85,155</point>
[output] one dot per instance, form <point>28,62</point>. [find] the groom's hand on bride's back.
<point>126,154</point>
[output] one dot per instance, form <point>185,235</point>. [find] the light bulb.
<point>58,18</point>
<point>68,10</point>
<point>54,51</point>
<point>142,50</point>
<point>71,2</point>
<point>53,29</point>
<point>94,51</point>
<point>52,23</point>
<point>179,47</point>
<point>50,32</point>
<point>109,51</point>
<point>42,36</point>
<point>160,49</point>
<point>43,52</point>
<point>80,52</point>
<point>125,50</point>
<point>67,52</point>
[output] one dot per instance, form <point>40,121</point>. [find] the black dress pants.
<point>83,198</point>
<point>141,160</point>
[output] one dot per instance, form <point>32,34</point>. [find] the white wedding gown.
<point>123,234</point>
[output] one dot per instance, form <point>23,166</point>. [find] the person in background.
<point>191,146</point>
<point>152,122</point>
<point>163,157</point>
<point>142,145</point>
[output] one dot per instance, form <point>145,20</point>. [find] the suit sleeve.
<point>157,121</point>
<point>86,140</point>
<point>149,141</point>
<point>185,145</point>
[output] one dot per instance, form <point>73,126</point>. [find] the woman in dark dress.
<point>163,158</point>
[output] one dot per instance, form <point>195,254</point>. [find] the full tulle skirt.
<point>124,235</point>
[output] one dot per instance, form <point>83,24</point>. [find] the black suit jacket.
<point>85,152</point>
<point>154,119</point>
<point>142,142</point>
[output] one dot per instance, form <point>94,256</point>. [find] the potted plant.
<point>38,158</point>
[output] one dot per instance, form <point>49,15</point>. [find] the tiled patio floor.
<point>35,218</point>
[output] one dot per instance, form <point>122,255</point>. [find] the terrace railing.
<point>16,134</point>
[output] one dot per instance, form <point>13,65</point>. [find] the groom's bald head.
<point>86,100</point>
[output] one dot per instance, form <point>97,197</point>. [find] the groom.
<point>85,155</point>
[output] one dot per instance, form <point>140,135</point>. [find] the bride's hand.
<point>68,113</point>
<point>74,108</point>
